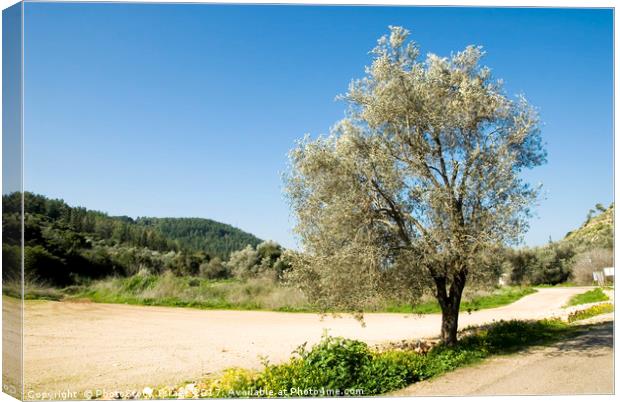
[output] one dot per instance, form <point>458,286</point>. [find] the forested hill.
<point>162,234</point>
<point>215,238</point>
<point>64,242</point>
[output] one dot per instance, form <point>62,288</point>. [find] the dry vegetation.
<point>589,262</point>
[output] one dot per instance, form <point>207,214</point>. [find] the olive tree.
<point>417,186</point>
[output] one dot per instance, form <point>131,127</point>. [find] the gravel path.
<point>580,365</point>
<point>79,346</point>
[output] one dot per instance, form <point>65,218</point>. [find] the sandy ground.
<point>12,346</point>
<point>79,346</point>
<point>580,365</point>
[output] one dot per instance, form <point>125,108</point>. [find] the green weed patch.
<point>602,308</point>
<point>591,296</point>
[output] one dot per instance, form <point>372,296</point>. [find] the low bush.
<point>338,367</point>
<point>214,269</point>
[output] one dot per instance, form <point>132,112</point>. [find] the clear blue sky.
<point>189,110</point>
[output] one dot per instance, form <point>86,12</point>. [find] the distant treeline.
<point>215,238</point>
<point>582,251</point>
<point>64,243</point>
<point>67,245</point>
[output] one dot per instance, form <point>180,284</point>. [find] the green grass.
<point>172,291</point>
<point>259,293</point>
<point>498,298</point>
<point>340,364</point>
<point>559,285</point>
<point>591,296</point>
<point>598,309</point>
<point>32,291</point>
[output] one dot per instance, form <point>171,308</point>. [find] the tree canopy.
<point>417,185</point>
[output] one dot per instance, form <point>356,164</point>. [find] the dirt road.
<point>581,365</point>
<point>80,346</point>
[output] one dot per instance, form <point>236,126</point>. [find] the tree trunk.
<point>450,303</point>
<point>449,324</point>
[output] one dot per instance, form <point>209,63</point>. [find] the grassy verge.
<point>33,291</point>
<point>559,285</point>
<point>499,297</point>
<point>172,291</point>
<point>259,293</point>
<point>602,308</point>
<point>340,367</point>
<point>591,296</point>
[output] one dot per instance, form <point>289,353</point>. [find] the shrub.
<point>267,257</point>
<point>269,252</point>
<point>550,264</point>
<point>40,263</point>
<point>553,264</point>
<point>244,263</point>
<point>393,370</point>
<point>338,364</point>
<point>11,262</point>
<point>214,269</point>
<point>282,267</point>
<point>521,263</point>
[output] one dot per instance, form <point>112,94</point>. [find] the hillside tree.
<point>417,186</point>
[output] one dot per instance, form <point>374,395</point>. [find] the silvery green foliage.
<point>420,181</point>
<point>244,262</point>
